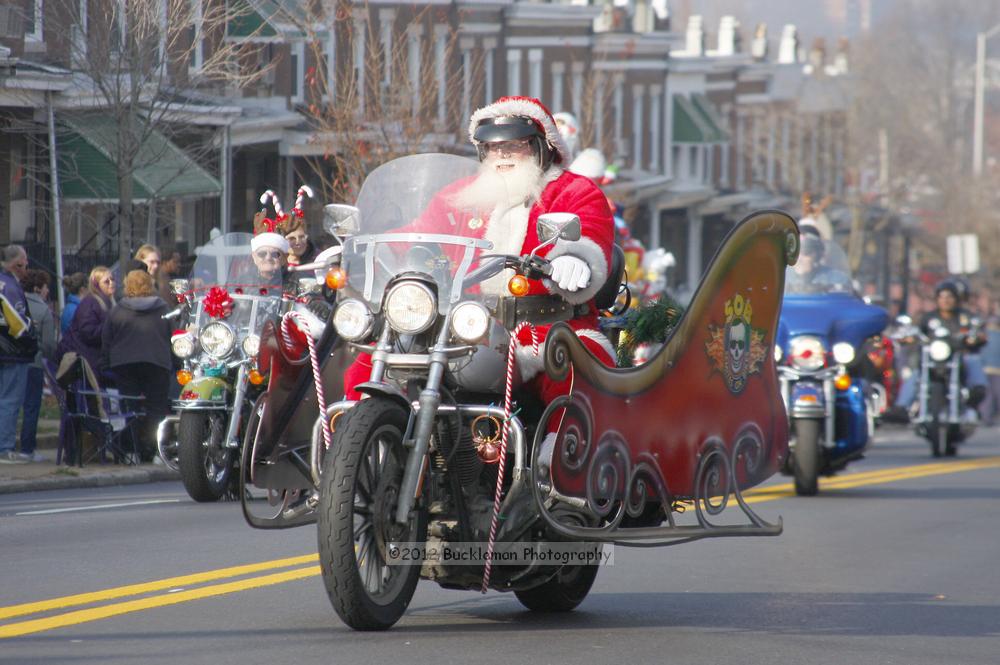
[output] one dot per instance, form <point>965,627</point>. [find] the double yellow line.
<point>175,593</point>
<point>847,481</point>
<point>171,591</point>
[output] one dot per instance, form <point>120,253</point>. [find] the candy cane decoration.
<point>304,191</point>
<point>286,321</point>
<point>274,199</point>
<point>508,389</point>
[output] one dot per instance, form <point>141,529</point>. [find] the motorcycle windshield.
<point>226,262</point>
<point>414,220</point>
<point>822,268</point>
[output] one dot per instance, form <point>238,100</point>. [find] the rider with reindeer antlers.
<point>270,249</point>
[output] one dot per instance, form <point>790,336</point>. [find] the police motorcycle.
<point>222,307</point>
<point>419,466</point>
<point>942,398</point>
<point>822,366</point>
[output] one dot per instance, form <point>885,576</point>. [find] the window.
<point>33,20</point>
<point>298,71</point>
<point>197,42</point>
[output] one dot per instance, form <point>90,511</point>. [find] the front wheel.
<point>937,401</point>
<point>205,464</point>
<point>362,476</point>
<point>805,459</point>
<point>563,592</point>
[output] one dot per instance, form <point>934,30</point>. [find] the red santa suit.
<point>512,231</point>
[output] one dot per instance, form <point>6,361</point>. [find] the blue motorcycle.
<point>819,352</point>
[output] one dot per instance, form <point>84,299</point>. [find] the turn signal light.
<point>336,279</point>
<point>256,378</point>
<point>184,377</point>
<point>842,382</point>
<point>518,285</point>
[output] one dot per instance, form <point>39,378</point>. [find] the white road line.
<point>99,507</point>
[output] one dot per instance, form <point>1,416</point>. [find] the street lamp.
<point>977,128</point>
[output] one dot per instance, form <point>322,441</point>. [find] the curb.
<point>104,479</point>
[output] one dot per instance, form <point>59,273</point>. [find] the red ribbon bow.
<point>218,302</point>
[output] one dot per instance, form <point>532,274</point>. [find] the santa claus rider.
<point>522,175</point>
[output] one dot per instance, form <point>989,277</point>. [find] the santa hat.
<point>526,107</point>
<point>590,164</point>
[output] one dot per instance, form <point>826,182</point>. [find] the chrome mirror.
<point>179,286</point>
<point>340,219</point>
<point>561,225</point>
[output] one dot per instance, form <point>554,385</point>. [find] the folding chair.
<point>67,435</point>
<point>105,413</point>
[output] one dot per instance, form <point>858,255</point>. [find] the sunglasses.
<point>520,147</point>
<point>264,254</point>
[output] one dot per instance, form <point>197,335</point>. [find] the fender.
<point>373,388</point>
<point>206,388</point>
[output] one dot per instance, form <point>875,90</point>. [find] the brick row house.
<point>700,135</point>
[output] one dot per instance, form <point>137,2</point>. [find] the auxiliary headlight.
<point>352,320</point>
<point>940,350</point>
<point>182,345</point>
<point>251,345</point>
<point>807,353</point>
<point>217,339</point>
<point>470,321</point>
<point>410,308</point>
<point>777,353</point>
<point>843,353</point>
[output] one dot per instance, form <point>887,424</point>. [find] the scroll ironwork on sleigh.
<point>643,448</point>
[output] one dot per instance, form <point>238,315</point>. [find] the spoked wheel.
<point>362,475</point>
<point>563,592</point>
<point>205,463</point>
<point>805,459</point>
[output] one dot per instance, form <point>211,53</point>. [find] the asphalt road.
<point>895,562</point>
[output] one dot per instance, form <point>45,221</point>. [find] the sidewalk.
<point>36,476</point>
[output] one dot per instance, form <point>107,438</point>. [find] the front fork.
<point>954,387</point>
<point>429,401</point>
<point>230,440</point>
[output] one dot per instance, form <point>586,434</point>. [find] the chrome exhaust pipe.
<point>169,423</point>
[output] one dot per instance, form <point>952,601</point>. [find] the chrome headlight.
<point>217,339</point>
<point>410,308</point>
<point>843,353</point>
<point>352,320</point>
<point>182,345</point>
<point>251,345</point>
<point>470,321</point>
<point>807,353</point>
<point>940,350</point>
<point>777,353</point>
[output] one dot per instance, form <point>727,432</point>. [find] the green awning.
<point>696,122</point>
<point>267,19</point>
<point>711,114</point>
<point>87,148</point>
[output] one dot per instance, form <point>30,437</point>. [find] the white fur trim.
<point>588,251</point>
<point>526,107</point>
<point>268,239</point>
<point>528,364</point>
<point>601,339</point>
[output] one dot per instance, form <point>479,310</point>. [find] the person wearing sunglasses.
<point>269,251</point>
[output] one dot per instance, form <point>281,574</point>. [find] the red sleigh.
<point>698,423</point>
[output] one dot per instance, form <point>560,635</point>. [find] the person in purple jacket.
<point>84,333</point>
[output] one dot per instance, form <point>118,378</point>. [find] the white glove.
<point>570,273</point>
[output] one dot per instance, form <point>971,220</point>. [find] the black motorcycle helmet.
<point>511,128</point>
<point>948,285</point>
<point>812,242</point>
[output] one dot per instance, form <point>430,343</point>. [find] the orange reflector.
<point>336,278</point>
<point>255,377</point>
<point>842,382</point>
<point>806,398</point>
<point>518,285</point>
<point>184,377</point>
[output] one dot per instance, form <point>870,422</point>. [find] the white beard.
<point>507,198</point>
<point>494,189</point>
